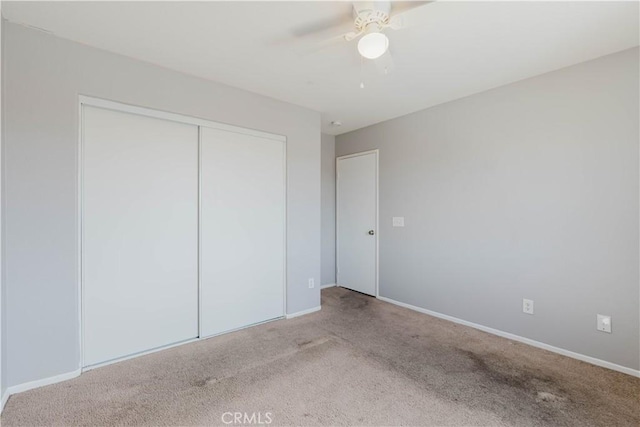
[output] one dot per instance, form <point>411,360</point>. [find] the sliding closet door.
<point>140,233</point>
<point>242,230</point>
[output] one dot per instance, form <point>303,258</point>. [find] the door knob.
<point>371,232</point>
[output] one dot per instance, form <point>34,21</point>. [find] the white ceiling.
<point>453,49</point>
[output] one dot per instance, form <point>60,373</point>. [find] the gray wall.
<point>328,215</point>
<point>2,299</point>
<point>526,191</point>
<point>43,77</point>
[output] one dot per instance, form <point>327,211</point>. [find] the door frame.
<point>377,235</point>
<point>90,101</point>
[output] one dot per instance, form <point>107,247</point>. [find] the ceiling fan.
<point>368,21</point>
<point>371,19</point>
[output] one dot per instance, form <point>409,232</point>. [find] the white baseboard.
<point>3,401</point>
<point>69,375</point>
<point>330,285</point>
<point>38,383</point>
<point>538,344</point>
<point>41,383</point>
<point>142,353</point>
<point>303,312</point>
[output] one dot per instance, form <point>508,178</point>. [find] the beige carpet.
<point>359,361</point>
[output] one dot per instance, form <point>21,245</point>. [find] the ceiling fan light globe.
<point>373,45</point>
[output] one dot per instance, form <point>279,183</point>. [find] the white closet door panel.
<point>140,231</point>
<point>242,230</point>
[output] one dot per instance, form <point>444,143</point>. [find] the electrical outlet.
<point>604,323</point>
<point>527,306</point>
<point>311,283</point>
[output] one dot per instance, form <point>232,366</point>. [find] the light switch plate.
<point>604,323</point>
<point>398,221</point>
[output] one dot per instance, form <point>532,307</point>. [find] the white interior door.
<point>356,221</point>
<point>140,233</point>
<point>242,224</point>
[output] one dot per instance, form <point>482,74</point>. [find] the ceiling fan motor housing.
<point>372,12</point>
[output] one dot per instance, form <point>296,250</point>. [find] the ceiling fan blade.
<point>402,13</point>
<point>313,42</point>
<point>398,7</point>
<point>385,64</point>
<point>342,39</point>
<point>305,49</point>
<point>397,22</point>
<point>321,27</point>
<point>350,36</point>
<point>328,43</point>
<point>327,27</point>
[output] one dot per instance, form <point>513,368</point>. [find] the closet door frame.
<point>83,101</point>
